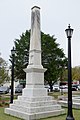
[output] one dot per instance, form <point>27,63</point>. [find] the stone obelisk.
<point>35,70</point>
<point>34,102</point>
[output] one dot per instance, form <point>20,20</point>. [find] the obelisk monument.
<point>35,70</point>
<point>34,102</point>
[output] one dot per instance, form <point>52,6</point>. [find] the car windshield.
<point>74,85</point>
<point>56,85</point>
<point>3,88</point>
<point>19,86</point>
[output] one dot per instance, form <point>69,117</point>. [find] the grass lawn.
<point>3,116</point>
<point>56,94</point>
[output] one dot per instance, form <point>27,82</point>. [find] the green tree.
<point>76,73</point>
<point>3,71</point>
<point>63,69</point>
<point>21,55</point>
<point>53,58</point>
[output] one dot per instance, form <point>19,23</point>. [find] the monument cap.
<point>35,7</point>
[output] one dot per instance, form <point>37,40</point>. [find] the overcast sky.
<point>15,18</point>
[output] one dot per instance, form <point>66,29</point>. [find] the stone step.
<point>76,100</point>
<point>35,109</point>
<point>25,116</point>
<point>34,104</point>
<point>65,104</point>
<point>34,99</point>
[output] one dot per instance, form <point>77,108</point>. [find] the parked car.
<point>78,86</point>
<point>56,88</point>
<point>19,88</point>
<point>64,88</point>
<point>4,90</point>
<point>74,87</point>
<point>47,87</point>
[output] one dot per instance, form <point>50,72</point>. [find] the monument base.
<point>34,102</point>
<point>34,108</point>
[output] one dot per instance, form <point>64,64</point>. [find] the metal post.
<point>70,114</point>
<point>12,80</point>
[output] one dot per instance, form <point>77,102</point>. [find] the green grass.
<point>6,97</point>
<point>5,100</point>
<point>3,116</point>
<point>56,94</point>
<point>76,114</point>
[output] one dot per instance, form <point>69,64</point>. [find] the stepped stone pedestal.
<point>34,108</point>
<point>34,102</point>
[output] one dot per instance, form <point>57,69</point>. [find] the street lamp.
<point>12,72</point>
<point>69,33</point>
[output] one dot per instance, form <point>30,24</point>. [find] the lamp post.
<point>69,33</point>
<point>12,79</point>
